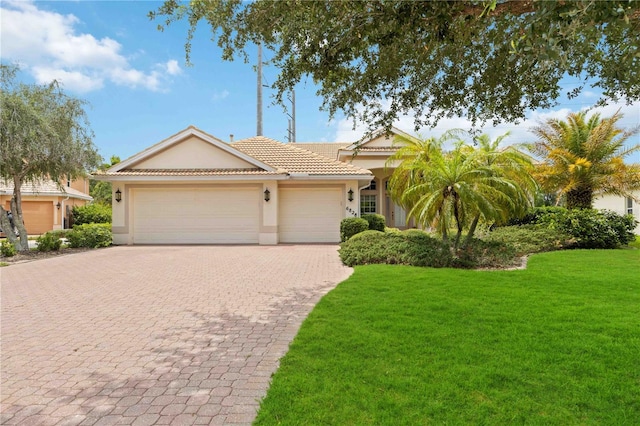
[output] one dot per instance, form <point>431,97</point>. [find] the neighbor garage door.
<point>38,216</point>
<point>196,216</point>
<point>310,215</point>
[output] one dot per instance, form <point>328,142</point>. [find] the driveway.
<point>154,335</point>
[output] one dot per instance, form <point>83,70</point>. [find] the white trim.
<point>172,140</point>
<point>375,134</point>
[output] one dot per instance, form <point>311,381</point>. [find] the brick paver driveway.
<point>153,335</point>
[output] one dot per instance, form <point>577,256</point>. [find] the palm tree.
<point>459,187</point>
<point>585,157</point>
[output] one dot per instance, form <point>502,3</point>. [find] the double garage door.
<point>232,215</point>
<point>196,216</point>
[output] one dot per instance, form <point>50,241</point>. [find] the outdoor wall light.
<point>58,205</point>
<point>118,195</point>
<point>267,195</point>
<point>350,194</point>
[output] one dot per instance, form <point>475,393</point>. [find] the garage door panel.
<point>197,216</point>
<point>38,216</point>
<point>310,215</point>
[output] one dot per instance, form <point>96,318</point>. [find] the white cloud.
<point>218,96</point>
<point>519,133</point>
<point>173,68</point>
<point>49,46</point>
<point>75,79</point>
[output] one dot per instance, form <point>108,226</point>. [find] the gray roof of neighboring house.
<point>47,187</point>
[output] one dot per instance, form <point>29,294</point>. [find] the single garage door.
<point>309,215</point>
<point>38,216</point>
<point>196,216</point>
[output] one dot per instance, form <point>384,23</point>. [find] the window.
<point>629,205</point>
<point>367,204</point>
<point>372,186</point>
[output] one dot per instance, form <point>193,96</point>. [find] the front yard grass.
<point>557,343</point>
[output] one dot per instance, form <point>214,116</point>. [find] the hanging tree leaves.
<point>376,60</point>
<point>44,134</point>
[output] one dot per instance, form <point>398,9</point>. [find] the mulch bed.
<point>32,255</point>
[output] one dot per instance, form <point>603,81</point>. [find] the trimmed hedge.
<point>91,235</point>
<point>351,226</point>
<point>526,239</point>
<point>417,249</point>
<point>91,213</point>
<point>376,221</point>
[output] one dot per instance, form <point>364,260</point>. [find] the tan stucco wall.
<point>193,153</point>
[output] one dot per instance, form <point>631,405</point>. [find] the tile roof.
<point>47,187</point>
<point>189,172</point>
<point>326,149</point>
<point>294,159</point>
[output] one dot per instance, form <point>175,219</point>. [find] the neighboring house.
<point>194,188</point>
<point>620,205</point>
<point>47,205</point>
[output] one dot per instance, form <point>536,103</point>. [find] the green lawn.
<point>558,343</point>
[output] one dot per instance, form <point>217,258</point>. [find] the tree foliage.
<point>44,134</point>
<point>583,157</point>
<point>486,60</point>
<point>461,187</point>
<point>101,190</point>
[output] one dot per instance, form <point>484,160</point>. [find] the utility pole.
<point>293,115</point>
<point>259,109</point>
<point>291,129</point>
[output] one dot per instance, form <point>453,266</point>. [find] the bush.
<point>593,228</point>
<point>92,235</point>
<point>7,249</point>
<point>48,242</point>
<point>526,239</point>
<point>376,221</point>
<point>91,213</point>
<point>484,254</point>
<point>535,215</point>
<point>395,248</point>
<point>351,226</point>
<point>60,233</point>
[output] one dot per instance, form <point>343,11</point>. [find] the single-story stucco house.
<point>47,205</point>
<point>193,188</point>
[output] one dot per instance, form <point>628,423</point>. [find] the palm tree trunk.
<point>472,229</point>
<point>580,198</point>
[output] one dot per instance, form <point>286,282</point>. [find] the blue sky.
<point>140,91</point>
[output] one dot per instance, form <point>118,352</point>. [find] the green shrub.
<point>365,234</point>
<point>48,242</point>
<point>92,235</point>
<point>351,226</point>
<point>60,233</point>
<point>593,228</point>
<point>391,230</point>
<point>395,248</point>
<point>535,215</point>
<point>484,254</point>
<point>91,213</point>
<point>7,249</point>
<point>376,221</point>
<point>526,239</point>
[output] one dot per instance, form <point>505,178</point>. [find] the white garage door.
<point>310,215</point>
<point>196,216</point>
